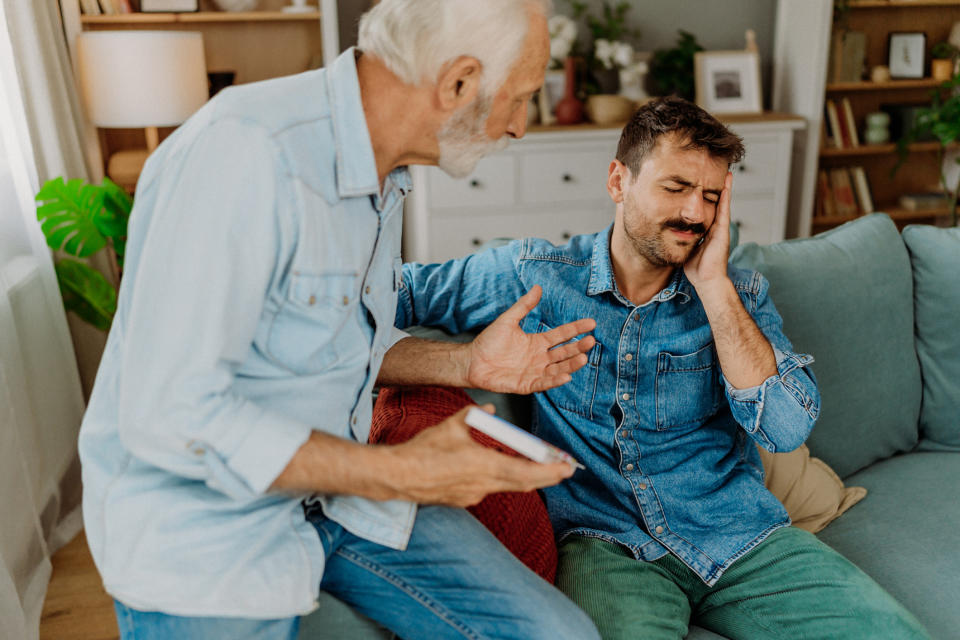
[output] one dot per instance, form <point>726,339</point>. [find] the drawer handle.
<point>567,177</point>
<point>565,235</point>
<point>475,183</point>
<point>742,168</point>
<point>476,242</point>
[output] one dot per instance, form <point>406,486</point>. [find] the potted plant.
<point>672,69</point>
<point>942,120</point>
<point>610,52</point>
<point>79,219</point>
<point>943,56</point>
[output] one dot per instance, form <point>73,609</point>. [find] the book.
<point>825,201</point>
<point>123,6</point>
<point>833,119</point>
<point>862,189</point>
<point>843,193</point>
<point>927,201</point>
<point>849,123</point>
<point>847,55</point>
<point>89,7</point>
<point>106,6</point>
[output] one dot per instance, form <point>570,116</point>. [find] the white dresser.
<point>552,184</point>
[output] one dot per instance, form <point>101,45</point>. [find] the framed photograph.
<point>906,54</point>
<point>728,81</point>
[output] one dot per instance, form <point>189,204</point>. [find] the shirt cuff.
<point>747,404</point>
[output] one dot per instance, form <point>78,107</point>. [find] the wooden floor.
<point>77,607</point>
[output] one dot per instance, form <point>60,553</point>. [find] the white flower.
<point>622,54</point>
<point>563,33</point>
<point>613,55</point>
<point>603,51</point>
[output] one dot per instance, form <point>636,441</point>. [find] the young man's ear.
<point>459,83</point>
<point>617,176</point>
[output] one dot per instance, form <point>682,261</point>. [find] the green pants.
<point>790,586</point>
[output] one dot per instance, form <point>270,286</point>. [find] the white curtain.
<point>41,402</point>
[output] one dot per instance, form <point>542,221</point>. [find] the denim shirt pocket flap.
<point>687,387</point>
<point>315,309</point>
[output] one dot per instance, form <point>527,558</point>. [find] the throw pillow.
<point>812,493</point>
<point>846,297</point>
<point>935,256</point>
<point>518,520</point>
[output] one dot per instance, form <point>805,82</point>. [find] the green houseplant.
<point>942,120</point>
<point>672,69</point>
<point>79,219</point>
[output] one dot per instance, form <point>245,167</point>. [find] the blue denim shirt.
<point>667,443</point>
<point>258,299</point>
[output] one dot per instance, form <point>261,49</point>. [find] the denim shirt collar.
<point>602,280</point>
<point>356,165</point>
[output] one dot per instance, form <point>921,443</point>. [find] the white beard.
<point>463,141</point>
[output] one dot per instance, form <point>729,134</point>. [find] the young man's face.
<point>671,202</point>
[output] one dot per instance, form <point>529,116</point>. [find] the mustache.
<point>680,225</point>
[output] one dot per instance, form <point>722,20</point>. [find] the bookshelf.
<point>920,173</point>
<point>255,45</point>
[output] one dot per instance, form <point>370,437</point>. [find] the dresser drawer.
<point>564,175</point>
<point>757,218</point>
<point>452,237</point>
<point>757,173</point>
<point>491,184</point>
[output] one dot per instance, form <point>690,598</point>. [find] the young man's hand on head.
<point>708,264</point>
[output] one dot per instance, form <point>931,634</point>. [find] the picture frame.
<point>906,54</point>
<point>728,82</point>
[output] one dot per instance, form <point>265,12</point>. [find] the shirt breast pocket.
<point>304,334</point>
<point>687,388</point>
<point>577,395</point>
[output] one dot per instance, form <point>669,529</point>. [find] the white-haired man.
<point>226,475</point>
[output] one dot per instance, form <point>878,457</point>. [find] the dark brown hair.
<point>697,129</point>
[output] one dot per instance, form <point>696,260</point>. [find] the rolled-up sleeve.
<point>197,297</point>
<point>780,412</point>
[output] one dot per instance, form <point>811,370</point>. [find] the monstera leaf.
<point>86,292</point>
<point>113,217</point>
<point>67,216</point>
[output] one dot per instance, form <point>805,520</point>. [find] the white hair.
<point>416,38</point>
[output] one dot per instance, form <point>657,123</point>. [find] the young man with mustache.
<point>689,370</point>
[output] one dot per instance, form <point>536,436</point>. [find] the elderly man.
<point>226,475</point>
<point>689,368</point>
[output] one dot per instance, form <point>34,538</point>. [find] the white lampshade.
<point>141,78</point>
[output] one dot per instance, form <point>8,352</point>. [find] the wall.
<point>716,25</point>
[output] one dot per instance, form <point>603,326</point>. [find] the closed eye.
<point>672,190</point>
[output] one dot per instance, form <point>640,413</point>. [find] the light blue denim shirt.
<point>667,443</point>
<point>258,299</point>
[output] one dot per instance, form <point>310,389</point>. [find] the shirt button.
<point>628,357</point>
<point>643,486</point>
<point>313,300</point>
<point>354,420</point>
<point>659,529</point>
<point>630,467</point>
<point>367,290</point>
<point>200,451</point>
<point>625,396</point>
<point>346,300</point>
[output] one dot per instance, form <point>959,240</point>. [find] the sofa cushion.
<point>904,534</point>
<point>846,297</point>
<point>518,520</point>
<point>812,493</point>
<point>935,255</point>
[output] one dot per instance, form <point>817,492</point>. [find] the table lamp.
<point>140,79</point>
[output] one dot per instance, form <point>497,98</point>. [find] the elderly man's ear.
<point>459,83</point>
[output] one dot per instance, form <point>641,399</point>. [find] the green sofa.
<point>880,312</point>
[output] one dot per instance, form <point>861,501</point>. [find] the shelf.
<point>201,16</point>
<point>896,213</point>
<point>919,83</point>
<point>886,4</point>
<point>875,150</point>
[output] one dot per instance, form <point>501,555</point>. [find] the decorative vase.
<point>941,69</point>
<point>236,5</point>
<point>569,110</point>
<point>607,109</point>
<point>878,128</point>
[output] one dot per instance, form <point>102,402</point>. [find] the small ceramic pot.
<point>607,109</point>
<point>236,5</point>
<point>941,69</point>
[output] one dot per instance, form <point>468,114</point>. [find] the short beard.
<point>652,247</point>
<point>463,140</point>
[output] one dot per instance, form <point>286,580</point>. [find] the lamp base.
<point>125,166</point>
